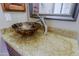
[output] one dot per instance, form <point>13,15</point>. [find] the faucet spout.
<point>44,24</point>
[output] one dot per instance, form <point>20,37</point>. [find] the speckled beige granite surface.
<point>56,42</point>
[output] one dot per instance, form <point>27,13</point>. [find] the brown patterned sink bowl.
<point>26,28</point>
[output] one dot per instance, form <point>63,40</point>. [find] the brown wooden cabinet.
<point>11,51</point>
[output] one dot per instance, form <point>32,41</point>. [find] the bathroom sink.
<point>26,28</point>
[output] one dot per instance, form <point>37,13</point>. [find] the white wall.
<point>8,18</point>
<point>64,24</point>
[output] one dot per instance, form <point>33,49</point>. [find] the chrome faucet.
<point>44,24</point>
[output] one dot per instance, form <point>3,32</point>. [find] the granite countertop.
<point>56,42</point>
